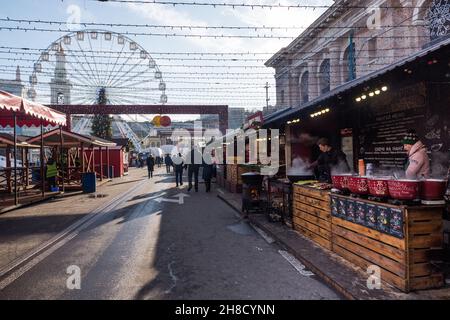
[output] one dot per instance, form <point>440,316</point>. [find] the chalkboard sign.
<point>387,118</point>
<point>351,210</point>
<point>383,219</point>
<point>360,213</point>
<point>371,216</point>
<point>396,223</point>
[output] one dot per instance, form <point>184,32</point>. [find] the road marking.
<point>173,276</point>
<point>180,200</point>
<point>264,235</point>
<point>295,263</point>
<point>35,256</point>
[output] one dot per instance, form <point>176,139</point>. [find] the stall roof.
<point>288,112</point>
<point>70,139</point>
<point>8,140</point>
<point>28,113</point>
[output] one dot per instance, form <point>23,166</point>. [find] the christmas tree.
<point>102,124</point>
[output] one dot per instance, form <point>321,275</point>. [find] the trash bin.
<point>89,182</point>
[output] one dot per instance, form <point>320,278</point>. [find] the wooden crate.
<point>311,214</point>
<point>404,262</point>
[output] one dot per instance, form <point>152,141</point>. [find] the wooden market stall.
<point>20,188</point>
<point>403,238</point>
<point>77,154</point>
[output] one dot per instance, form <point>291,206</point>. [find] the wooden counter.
<point>312,215</point>
<point>401,240</point>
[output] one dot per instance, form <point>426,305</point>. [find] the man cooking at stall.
<point>418,163</point>
<point>329,159</point>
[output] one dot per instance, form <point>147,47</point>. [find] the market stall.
<point>18,112</point>
<point>76,154</point>
<point>372,214</point>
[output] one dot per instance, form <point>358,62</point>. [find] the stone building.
<point>13,86</point>
<point>351,39</point>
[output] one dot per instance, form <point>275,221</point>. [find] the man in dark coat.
<point>150,165</point>
<point>207,175</point>
<point>330,159</point>
<point>168,162</point>
<point>194,160</point>
<point>178,165</point>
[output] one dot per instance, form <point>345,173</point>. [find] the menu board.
<point>385,122</point>
<point>378,217</point>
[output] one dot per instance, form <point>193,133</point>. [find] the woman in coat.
<point>418,164</point>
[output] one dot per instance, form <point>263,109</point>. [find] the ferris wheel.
<point>80,64</point>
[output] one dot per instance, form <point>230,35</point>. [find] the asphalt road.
<point>146,245</point>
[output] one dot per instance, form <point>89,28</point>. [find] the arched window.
<point>304,87</point>
<point>324,74</point>
<point>349,64</point>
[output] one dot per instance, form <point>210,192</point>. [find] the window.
<point>282,96</point>
<point>304,87</point>
<point>349,63</point>
<point>324,75</point>
<point>372,48</point>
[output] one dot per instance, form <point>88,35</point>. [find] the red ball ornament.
<point>165,121</point>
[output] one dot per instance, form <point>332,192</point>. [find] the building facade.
<point>13,86</point>
<point>351,39</point>
<point>60,85</point>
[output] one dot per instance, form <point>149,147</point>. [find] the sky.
<point>216,77</point>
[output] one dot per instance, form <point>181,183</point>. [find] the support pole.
<point>62,156</point>
<point>82,157</point>
<point>16,196</point>
<point>42,161</point>
<point>107,162</point>
<point>101,163</point>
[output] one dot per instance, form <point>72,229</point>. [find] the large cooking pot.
<point>404,189</point>
<point>358,185</point>
<point>378,186</point>
<point>340,181</point>
<point>296,178</point>
<point>433,189</point>
<point>252,178</point>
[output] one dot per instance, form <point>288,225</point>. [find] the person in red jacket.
<point>418,164</point>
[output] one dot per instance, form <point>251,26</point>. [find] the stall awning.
<point>70,140</point>
<point>28,113</point>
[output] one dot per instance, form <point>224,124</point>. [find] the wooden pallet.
<point>311,215</point>
<point>425,237</point>
<point>404,263</point>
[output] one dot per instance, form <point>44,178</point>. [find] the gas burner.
<point>433,202</point>
<point>357,196</point>
<point>377,199</point>
<point>404,202</point>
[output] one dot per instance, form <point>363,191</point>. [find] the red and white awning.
<point>28,113</point>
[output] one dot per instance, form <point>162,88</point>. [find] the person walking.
<point>207,175</point>
<point>194,160</point>
<point>150,165</point>
<point>168,162</point>
<point>178,166</point>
